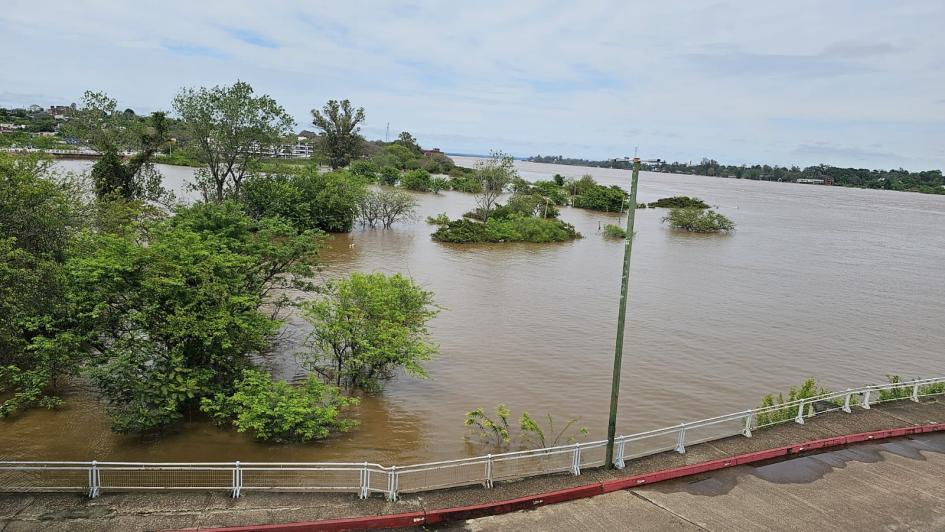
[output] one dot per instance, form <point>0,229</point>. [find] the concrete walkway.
<point>177,510</point>
<point>896,485</point>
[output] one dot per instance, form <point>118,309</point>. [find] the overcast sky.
<point>853,83</point>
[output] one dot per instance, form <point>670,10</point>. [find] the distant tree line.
<point>928,181</point>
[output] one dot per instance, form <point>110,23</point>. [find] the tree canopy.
<point>340,125</point>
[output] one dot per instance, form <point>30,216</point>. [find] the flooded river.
<point>844,285</point>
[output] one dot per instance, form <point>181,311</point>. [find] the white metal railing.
<point>366,478</point>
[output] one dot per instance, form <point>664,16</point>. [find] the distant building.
<point>807,181</point>
<point>428,153</point>
<point>59,111</point>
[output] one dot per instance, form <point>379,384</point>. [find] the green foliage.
<point>601,198</point>
<point>497,431</point>
<point>340,125</point>
<point>785,413</point>
<point>439,183</point>
<point>699,221</point>
<point>390,175</point>
<point>906,391</point>
<point>226,126</point>
<point>615,231</point>
<point>396,156</point>
<point>559,180</point>
<point>679,202</point>
<point>275,410</point>
<point>465,183</point>
<point>514,228</point>
<point>494,174</point>
<point>582,186</point>
<point>365,170</point>
<point>172,314</point>
<point>307,198</point>
<point>39,215</point>
<point>368,325</point>
<point>419,180</point>
<point>439,219</point>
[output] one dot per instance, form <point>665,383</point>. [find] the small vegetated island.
<point>693,215</point>
<point>527,216</point>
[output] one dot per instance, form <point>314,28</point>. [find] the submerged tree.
<point>494,175</point>
<point>368,325</point>
<point>340,125</point>
<point>229,129</point>
<point>116,134</point>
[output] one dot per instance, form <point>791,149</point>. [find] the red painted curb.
<point>580,492</point>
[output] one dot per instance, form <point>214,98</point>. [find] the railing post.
<point>846,402</point>
<point>915,392</point>
<point>866,399</point>
<point>392,484</point>
<point>489,471</point>
<point>800,414</point>
<point>681,439</point>
<point>576,460</point>
<point>93,480</point>
<point>618,461</point>
<point>237,479</point>
<point>749,421</point>
<point>365,481</point>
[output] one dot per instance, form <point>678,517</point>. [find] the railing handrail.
<point>365,469</point>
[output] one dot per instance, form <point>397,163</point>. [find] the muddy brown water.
<point>841,284</point>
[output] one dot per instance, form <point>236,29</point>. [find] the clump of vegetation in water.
<point>498,432</point>
<point>439,219</point>
<point>699,221</point>
<point>527,216</point>
<point>679,202</point>
<point>386,207</point>
<point>367,326</point>
<point>307,198</point>
<point>776,415</point>
<point>418,180</point>
<point>515,228</point>
<point>275,410</point>
<point>614,231</point>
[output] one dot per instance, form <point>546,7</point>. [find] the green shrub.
<point>306,198</point>
<point>439,183</point>
<point>439,219</point>
<point>276,410</point>
<point>419,180</point>
<point>614,231</point>
<point>807,390</point>
<point>515,228</point>
<point>365,169</point>
<point>699,221</point>
<point>601,198</point>
<point>390,175</point>
<point>679,202</point>
<point>465,183</point>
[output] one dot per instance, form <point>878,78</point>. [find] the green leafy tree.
<point>419,180</point>
<point>408,141</point>
<point>699,221</point>
<point>368,325</point>
<point>39,215</point>
<point>173,313</point>
<point>275,410</point>
<point>390,175</point>
<point>307,198</point>
<point>100,124</point>
<point>228,128</point>
<point>494,174</point>
<point>601,198</point>
<point>340,125</point>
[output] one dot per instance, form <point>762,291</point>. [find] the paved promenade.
<point>180,510</point>
<point>895,485</point>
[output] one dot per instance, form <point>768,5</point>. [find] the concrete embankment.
<point>182,510</point>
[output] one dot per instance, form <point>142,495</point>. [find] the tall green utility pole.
<point>622,316</point>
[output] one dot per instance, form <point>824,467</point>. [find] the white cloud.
<point>738,81</point>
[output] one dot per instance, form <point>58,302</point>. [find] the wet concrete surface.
<point>897,485</point>
<point>902,466</point>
